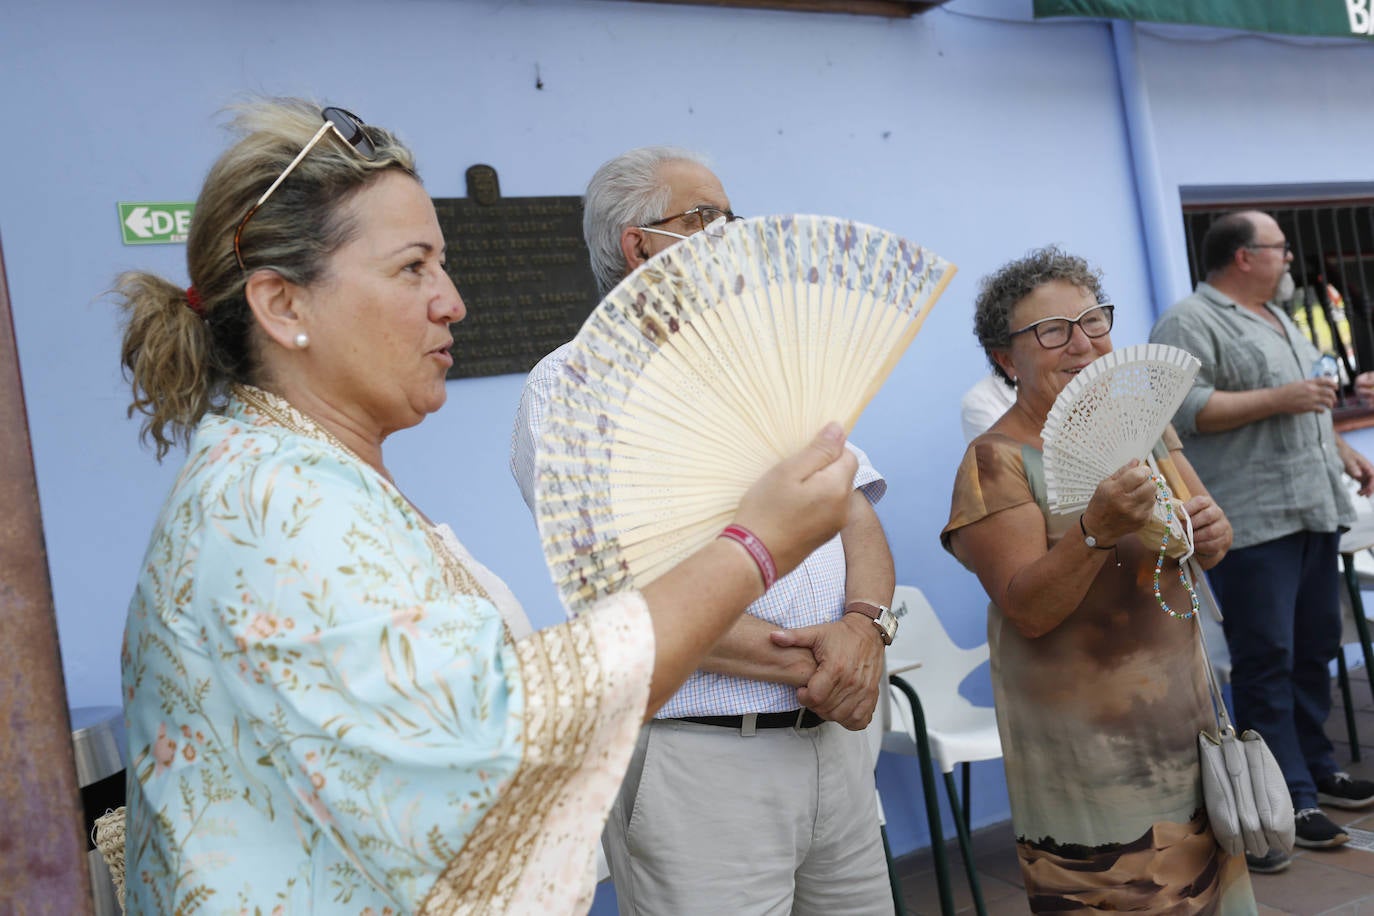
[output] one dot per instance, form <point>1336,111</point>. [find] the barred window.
<point>1333,271</point>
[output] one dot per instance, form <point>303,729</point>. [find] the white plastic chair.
<point>603,868</point>
<point>1357,568</point>
<point>873,736</point>
<point>933,722</point>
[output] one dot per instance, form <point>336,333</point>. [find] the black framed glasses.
<point>347,126</point>
<point>698,218</point>
<point>1287,246</point>
<point>1053,333</point>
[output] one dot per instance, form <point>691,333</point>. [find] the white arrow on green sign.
<point>146,223</point>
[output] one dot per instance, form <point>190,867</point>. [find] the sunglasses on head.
<point>347,126</point>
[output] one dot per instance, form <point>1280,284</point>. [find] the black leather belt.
<point>797,718</point>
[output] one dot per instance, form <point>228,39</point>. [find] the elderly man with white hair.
<point>752,791</point>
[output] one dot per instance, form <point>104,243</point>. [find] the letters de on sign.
<point>147,223</point>
<point>521,267</point>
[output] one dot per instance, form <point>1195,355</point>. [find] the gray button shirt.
<point>1273,477</point>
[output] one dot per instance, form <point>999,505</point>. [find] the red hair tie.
<point>194,303</point>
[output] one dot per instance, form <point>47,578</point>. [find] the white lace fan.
<point>1113,411</point>
<point>702,369</point>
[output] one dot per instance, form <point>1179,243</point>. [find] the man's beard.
<point>1283,289</point>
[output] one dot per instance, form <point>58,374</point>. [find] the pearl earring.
<point>302,341</point>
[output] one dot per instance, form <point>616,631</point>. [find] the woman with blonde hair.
<point>328,710</point>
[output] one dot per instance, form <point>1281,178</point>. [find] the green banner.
<point>159,223</point>
<point>1327,18</point>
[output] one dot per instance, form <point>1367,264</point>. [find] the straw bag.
<point>1246,795</point>
<point>109,839</point>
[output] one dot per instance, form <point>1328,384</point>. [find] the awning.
<point>1326,18</point>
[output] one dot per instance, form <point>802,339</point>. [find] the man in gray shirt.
<point>1257,427</point>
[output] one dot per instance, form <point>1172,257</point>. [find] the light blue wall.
<point>1248,110</point>
<point>978,137</point>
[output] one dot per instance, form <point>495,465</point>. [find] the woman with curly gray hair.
<point>1100,695</point>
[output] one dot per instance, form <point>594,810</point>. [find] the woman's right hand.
<point>803,501</point>
<point>1121,504</point>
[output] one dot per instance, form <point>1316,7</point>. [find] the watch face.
<point>882,618</point>
<point>887,623</point>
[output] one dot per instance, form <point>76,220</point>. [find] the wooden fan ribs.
<point>704,368</point>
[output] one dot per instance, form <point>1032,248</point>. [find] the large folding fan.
<point>702,369</point>
<point>1111,412</point>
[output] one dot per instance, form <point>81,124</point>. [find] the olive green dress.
<point>1099,721</point>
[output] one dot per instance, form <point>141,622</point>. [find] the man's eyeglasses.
<point>1053,333</point>
<point>1285,245</point>
<point>347,126</point>
<point>696,219</point>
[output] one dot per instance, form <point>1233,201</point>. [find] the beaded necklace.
<point>1165,498</point>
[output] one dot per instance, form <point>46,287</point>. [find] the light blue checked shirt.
<point>812,593</point>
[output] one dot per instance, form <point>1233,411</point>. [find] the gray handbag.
<point>1246,795</point>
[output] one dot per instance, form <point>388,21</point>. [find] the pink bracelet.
<point>757,549</point>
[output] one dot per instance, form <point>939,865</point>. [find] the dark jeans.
<point>1283,626</point>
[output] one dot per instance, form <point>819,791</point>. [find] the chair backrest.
<point>922,638</point>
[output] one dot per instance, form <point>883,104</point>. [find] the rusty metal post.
<point>42,846</point>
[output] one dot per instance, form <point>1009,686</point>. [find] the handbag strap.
<point>1207,600</point>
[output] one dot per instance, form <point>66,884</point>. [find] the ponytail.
<point>166,358</point>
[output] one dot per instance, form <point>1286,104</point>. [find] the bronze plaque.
<point>521,267</point>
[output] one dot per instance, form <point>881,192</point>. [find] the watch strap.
<point>872,611</point>
<point>883,619</point>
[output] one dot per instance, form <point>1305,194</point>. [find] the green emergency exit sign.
<point>146,223</point>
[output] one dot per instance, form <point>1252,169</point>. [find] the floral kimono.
<point>327,712</point>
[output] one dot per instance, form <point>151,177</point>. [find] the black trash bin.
<point>98,739</point>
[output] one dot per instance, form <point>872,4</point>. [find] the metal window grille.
<point>1333,277</point>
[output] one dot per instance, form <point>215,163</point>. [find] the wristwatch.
<point>882,618</point>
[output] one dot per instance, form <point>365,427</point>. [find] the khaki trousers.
<point>713,822</point>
